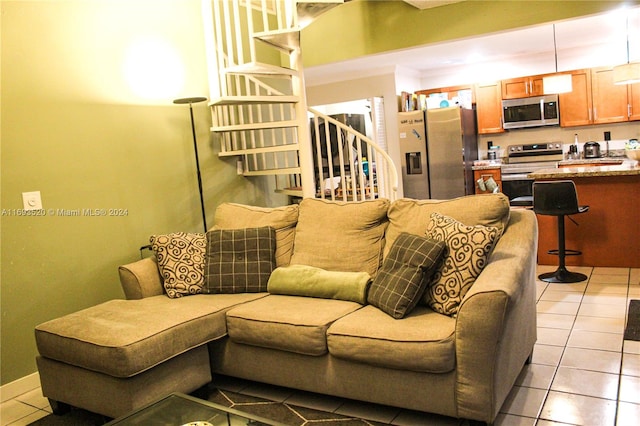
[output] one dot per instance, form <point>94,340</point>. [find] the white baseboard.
<point>20,386</point>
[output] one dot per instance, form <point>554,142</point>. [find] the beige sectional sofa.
<point>117,356</point>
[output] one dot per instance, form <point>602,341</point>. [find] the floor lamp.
<point>191,101</point>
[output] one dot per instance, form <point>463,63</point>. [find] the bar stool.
<point>559,198</point>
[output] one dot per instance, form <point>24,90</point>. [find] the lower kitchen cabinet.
<point>485,174</point>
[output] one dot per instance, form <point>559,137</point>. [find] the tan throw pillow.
<point>405,273</point>
<point>181,258</point>
<point>466,255</point>
<point>412,216</point>
<point>239,260</point>
<point>340,236</point>
<point>282,219</point>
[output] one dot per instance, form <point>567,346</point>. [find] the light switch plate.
<point>32,200</point>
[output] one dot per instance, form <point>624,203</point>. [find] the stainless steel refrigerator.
<point>438,148</point>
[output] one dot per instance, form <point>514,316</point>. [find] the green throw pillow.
<point>181,258</point>
<point>401,281</point>
<point>239,260</point>
<point>468,249</point>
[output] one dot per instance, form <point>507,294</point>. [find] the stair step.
<point>255,126</point>
<point>260,150</point>
<point>271,172</point>
<point>259,68</point>
<point>287,40</point>
<point>253,100</point>
<point>308,10</point>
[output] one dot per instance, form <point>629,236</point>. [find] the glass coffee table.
<point>179,409</point>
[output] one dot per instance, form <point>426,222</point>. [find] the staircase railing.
<point>259,109</point>
<point>348,165</point>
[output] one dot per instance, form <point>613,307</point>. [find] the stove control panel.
<point>533,152</point>
<point>535,149</point>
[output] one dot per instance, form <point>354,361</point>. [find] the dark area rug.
<point>281,412</point>
<point>632,330</point>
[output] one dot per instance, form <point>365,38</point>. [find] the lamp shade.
<point>559,83</point>
<point>627,73</point>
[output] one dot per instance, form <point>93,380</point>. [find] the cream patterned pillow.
<point>467,252</point>
<point>181,258</point>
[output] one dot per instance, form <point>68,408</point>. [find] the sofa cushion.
<point>282,219</point>
<point>412,216</point>
<point>181,258</point>
<point>422,341</point>
<point>239,260</point>
<point>288,323</point>
<point>405,272</point>
<point>303,280</point>
<point>467,253</point>
<point>122,338</point>
<point>340,236</point>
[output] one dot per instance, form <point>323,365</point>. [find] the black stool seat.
<point>524,201</point>
<point>559,198</point>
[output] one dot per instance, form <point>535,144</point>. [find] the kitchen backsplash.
<point>620,133</point>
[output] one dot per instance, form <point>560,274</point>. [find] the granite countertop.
<point>601,160</point>
<point>627,168</point>
<point>486,167</point>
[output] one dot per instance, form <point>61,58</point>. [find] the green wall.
<point>365,27</point>
<point>74,128</point>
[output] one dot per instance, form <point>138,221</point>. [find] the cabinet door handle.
<point>629,110</point>
<point>595,113</point>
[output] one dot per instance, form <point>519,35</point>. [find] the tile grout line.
<point>626,317</point>
<point>564,348</point>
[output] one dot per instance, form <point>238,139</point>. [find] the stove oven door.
<point>518,187</point>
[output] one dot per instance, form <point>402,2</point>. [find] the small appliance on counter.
<point>592,150</point>
<point>573,153</point>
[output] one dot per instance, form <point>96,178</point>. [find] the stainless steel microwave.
<point>530,112</point>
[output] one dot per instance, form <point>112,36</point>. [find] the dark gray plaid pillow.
<point>239,260</point>
<point>405,273</point>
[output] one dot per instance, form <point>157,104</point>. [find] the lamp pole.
<point>191,101</point>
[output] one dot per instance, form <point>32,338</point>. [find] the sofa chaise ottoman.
<point>445,323</point>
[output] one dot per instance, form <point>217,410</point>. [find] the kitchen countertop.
<point>627,168</point>
<point>601,160</point>
<point>486,167</point>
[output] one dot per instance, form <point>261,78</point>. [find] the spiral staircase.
<point>259,109</point>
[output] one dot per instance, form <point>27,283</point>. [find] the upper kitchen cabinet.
<point>489,107</point>
<point>450,92</point>
<point>596,100</point>
<point>634,101</point>
<point>610,101</point>
<point>454,95</point>
<point>576,106</point>
<point>522,87</point>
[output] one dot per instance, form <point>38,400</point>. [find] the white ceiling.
<point>599,40</point>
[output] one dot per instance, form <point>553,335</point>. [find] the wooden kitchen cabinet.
<point>485,174</point>
<point>522,87</point>
<point>452,91</point>
<point>610,101</point>
<point>576,106</point>
<point>634,101</point>
<point>489,107</point>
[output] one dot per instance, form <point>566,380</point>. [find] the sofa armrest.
<point>141,279</point>
<point>496,324</point>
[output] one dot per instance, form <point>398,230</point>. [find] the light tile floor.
<point>583,372</point>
